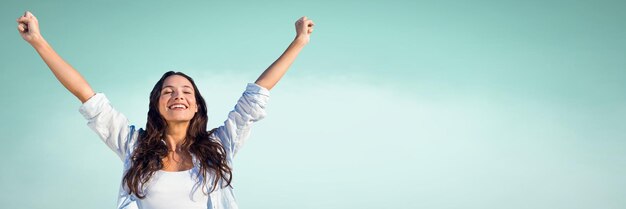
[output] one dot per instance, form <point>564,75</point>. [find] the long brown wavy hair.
<point>150,149</point>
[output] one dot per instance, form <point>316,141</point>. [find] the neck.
<point>175,135</point>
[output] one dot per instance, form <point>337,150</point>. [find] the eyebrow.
<point>169,86</point>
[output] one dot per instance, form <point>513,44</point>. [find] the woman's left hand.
<point>304,28</point>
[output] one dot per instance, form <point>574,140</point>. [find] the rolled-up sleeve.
<point>250,108</point>
<point>110,125</point>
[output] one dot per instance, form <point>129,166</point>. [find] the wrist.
<point>301,41</point>
<point>37,41</point>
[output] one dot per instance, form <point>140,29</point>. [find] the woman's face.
<point>178,100</point>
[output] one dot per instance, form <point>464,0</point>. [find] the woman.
<point>175,162</point>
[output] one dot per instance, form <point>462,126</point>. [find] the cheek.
<point>192,100</point>
<point>194,107</point>
<point>162,103</point>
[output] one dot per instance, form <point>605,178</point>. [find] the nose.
<point>178,96</point>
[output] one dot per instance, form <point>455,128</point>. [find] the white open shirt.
<point>117,133</point>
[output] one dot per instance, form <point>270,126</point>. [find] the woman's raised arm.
<point>28,26</point>
<point>271,76</point>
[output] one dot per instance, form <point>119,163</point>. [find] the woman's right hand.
<point>28,26</point>
<point>64,72</point>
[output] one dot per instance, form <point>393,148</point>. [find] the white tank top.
<point>173,189</point>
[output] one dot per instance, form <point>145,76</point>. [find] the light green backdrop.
<point>393,104</point>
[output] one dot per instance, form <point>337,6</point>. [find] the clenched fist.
<point>304,28</point>
<point>28,27</point>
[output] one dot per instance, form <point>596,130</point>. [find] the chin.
<point>178,120</point>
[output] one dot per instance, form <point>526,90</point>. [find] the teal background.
<point>393,104</point>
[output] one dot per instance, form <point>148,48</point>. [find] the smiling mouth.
<point>177,107</point>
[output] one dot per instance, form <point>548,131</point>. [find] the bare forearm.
<point>271,76</point>
<point>28,27</point>
<point>276,70</point>
<point>64,72</point>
